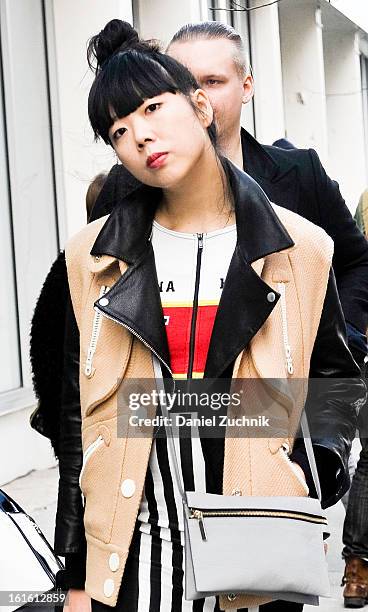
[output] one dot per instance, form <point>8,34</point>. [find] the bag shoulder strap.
<point>170,440</point>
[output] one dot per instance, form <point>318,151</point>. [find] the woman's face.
<point>163,139</point>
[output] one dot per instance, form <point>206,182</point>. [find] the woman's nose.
<point>141,142</point>
<point>142,131</point>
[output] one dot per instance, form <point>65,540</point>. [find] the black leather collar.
<point>127,230</point>
<point>135,301</point>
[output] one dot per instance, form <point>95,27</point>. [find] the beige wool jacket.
<point>114,470</point>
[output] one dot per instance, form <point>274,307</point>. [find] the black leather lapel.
<point>134,301</point>
<point>127,230</point>
<point>118,184</point>
<point>242,310</point>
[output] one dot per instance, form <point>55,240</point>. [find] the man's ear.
<point>248,88</point>
<point>202,102</point>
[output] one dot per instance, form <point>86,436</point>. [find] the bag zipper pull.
<point>198,514</point>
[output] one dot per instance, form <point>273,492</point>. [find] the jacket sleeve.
<point>70,539</point>
<point>350,261</point>
<point>333,401</point>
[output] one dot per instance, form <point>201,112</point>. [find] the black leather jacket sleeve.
<point>350,261</point>
<point>333,403</point>
<point>70,539</point>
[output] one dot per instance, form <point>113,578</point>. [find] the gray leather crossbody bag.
<point>264,546</point>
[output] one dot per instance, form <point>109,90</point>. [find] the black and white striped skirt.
<point>153,579</point>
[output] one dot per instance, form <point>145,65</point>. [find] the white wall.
<point>266,63</point>
<point>356,10</point>
<point>162,18</point>
<point>81,159</point>
<point>346,146</point>
<point>303,75</point>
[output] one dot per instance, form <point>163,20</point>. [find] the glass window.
<point>28,222</point>
<point>9,340</point>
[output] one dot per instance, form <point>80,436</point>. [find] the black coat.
<point>296,180</point>
<point>47,351</point>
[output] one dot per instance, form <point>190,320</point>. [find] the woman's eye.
<point>119,132</point>
<point>152,107</point>
<point>212,82</point>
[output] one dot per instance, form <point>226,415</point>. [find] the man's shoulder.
<point>285,158</point>
<point>297,157</point>
<point>285,169</point>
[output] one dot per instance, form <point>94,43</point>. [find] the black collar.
<point>262,161</point>
<point>257,161</point>
<point>127,230</point>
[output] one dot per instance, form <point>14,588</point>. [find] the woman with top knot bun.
<point>184,239</point>
<point>116,36</point>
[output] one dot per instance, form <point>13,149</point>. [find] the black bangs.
<point>127,80</point>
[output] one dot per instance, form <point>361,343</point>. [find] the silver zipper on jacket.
<point>146,344</point>
<point>132,331</point>
<point>284,450</point>
<point>96,327</point>
<point>88,452</point>
<point>137,336</point>
<point>285,333</point>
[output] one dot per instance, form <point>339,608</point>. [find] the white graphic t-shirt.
<point>191,270</point>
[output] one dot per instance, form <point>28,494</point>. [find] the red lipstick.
<point>156,159</point>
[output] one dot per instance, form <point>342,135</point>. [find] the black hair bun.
<point>117,35</point>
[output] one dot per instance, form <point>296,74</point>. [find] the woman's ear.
<point>202,102</point>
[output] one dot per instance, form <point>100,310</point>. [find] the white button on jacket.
<point>108,587</point>
<point>114,562</point>
<point>128,487</point>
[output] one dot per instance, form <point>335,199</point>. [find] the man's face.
<point>212,63</point>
